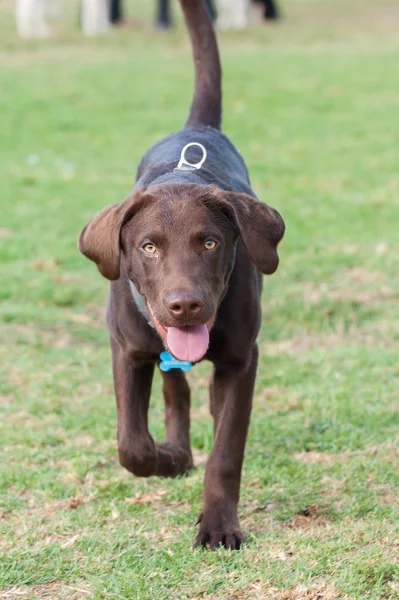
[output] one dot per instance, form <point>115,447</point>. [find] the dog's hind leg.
<point>138,452</point>
<point>177,410</point>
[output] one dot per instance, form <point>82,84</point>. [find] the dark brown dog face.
<point>179,244</point>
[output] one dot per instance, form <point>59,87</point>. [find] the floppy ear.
<point>260,226</point>
<point>99,240</point>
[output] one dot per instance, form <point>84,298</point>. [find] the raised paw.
<point>172,461</point>
<point>144,460</point>
<point>218,532</point>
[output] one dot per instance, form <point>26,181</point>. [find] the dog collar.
<point>184,165</point>
<point>140,303</point>
<point>167,360</point>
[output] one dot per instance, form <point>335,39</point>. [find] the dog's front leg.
<point>138,452</point>
<point>231,401</point>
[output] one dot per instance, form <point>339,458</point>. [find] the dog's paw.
<point>218,532</point>
<point>172,461</point>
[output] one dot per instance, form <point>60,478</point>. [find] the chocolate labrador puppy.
<point>185,253</point>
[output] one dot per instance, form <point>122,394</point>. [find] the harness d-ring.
<point>184,165</point>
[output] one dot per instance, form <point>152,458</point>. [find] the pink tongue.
<point>188,343</point>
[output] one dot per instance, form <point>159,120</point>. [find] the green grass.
<point>312,104</point>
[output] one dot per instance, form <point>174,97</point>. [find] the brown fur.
<point>187,284</point>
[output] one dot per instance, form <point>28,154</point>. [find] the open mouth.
<point>187,343</point>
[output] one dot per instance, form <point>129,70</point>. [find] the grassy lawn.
<point>312,104</point>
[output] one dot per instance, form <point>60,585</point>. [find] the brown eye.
<point>149,248</point>
<point>210,244</point>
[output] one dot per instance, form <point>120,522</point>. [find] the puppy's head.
<point>179,242</point>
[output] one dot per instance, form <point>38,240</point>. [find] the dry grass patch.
<point>313,457</point>
<point>259,591</point>
<point>364,286</point>
<point>275,398</point>
<point>46,591</point>
<point>302,592</point>
<point>47,510</point>
<point>387,451</point>
<point>374,336</point>
<point>308,518</point>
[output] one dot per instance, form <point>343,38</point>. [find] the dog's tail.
<point>206,106</point>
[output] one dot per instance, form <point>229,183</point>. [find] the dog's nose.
<point>184,305</point>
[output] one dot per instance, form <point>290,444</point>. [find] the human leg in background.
<point>272,12</point>
<point>115,12</point>
<point>163,18</point>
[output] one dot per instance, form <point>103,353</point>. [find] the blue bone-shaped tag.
<point>169,362</point>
